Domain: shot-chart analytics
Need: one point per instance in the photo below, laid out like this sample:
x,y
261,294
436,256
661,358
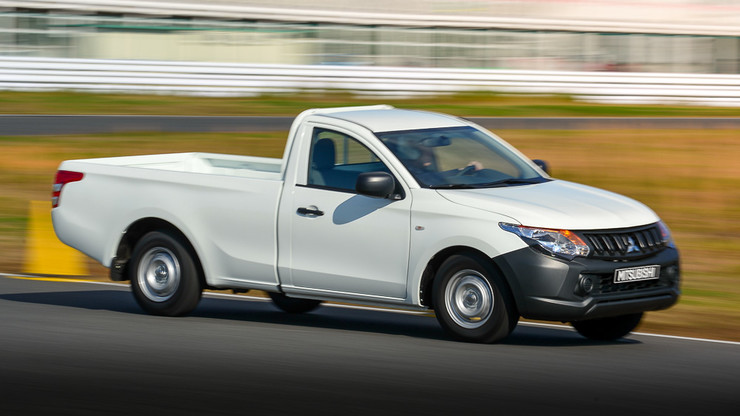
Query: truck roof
x,y
383,118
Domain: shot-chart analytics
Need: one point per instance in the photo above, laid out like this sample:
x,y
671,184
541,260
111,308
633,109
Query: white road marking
x,y
715,341
646,334
334,305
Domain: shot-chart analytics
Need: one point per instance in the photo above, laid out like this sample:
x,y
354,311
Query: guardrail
x,y
224,79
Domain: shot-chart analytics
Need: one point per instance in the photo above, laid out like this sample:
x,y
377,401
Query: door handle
x,y
311,211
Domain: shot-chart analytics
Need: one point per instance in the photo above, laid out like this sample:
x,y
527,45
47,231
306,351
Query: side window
x,y
337,159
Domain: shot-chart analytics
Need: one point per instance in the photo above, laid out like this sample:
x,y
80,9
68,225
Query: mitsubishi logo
x,y
631,246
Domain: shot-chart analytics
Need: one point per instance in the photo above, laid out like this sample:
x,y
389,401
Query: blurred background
x,y
677,36
521,58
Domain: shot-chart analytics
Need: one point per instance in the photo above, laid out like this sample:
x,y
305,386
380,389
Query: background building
x,y
680,36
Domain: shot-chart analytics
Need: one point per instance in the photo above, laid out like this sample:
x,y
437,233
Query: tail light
x,y
63,177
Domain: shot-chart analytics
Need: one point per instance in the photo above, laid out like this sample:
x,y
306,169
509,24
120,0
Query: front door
x,y
341,241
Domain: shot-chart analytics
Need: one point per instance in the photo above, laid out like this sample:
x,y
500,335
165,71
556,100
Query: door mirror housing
x,y
542,165
375,184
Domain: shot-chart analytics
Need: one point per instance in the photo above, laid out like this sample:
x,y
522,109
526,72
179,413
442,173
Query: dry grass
x,y
691,178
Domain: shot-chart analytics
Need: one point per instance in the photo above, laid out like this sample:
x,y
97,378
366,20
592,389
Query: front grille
x,y
606,285
625,244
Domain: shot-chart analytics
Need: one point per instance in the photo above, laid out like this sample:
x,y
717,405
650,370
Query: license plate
x,y
636,274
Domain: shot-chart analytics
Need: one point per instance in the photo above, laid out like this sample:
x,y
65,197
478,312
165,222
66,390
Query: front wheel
x,y
608,329
164,277
472,301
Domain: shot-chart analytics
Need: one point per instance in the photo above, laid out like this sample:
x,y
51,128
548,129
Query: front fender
x,y
440,227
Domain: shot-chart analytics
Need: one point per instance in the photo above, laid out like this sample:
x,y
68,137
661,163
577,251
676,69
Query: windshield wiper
x,y
511,181
453,186
495,184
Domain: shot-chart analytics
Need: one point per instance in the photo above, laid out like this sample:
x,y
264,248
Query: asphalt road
x,y
87,349
18,125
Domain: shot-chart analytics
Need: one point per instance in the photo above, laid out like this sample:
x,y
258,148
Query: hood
x,y
557,204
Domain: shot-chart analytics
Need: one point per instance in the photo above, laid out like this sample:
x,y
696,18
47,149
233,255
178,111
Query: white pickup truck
x,y
374,205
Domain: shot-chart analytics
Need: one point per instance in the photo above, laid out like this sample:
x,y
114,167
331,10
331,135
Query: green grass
x,y
470,104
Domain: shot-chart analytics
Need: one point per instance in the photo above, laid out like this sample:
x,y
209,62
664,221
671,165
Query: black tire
x,y
164,277
608,329
293,305
472,301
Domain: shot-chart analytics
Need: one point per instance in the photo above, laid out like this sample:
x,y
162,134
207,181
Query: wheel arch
x,y
134,233
427,279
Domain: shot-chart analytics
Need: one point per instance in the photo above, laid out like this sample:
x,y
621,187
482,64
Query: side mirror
x,y
375,184
542,165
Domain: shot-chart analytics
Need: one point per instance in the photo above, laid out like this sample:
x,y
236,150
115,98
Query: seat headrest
x,y
324,154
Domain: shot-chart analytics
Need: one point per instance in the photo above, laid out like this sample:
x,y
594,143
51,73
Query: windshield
x,y
458,157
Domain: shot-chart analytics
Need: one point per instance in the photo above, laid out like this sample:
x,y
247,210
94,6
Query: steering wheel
x,y
467,170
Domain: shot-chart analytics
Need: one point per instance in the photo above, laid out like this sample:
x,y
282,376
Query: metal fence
x,y
221,79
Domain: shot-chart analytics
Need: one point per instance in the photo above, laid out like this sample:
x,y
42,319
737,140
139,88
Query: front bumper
x,y
548,288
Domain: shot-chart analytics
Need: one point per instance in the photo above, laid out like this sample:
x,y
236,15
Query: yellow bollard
x,y
45,254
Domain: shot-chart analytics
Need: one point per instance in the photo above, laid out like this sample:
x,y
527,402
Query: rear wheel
x,y
293,305
472,301
164,277
608,329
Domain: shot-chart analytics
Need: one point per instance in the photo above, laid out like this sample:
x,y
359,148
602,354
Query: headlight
x,y
561,243
665,234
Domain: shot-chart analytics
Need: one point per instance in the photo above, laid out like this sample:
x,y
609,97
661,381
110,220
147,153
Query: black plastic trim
x,y
395,196
547,288
612,244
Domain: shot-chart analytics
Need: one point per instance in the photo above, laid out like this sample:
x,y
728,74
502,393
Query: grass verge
x,y
689,177
469,104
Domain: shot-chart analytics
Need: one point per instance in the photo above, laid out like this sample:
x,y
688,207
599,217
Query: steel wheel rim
x,y
469,299
159,274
